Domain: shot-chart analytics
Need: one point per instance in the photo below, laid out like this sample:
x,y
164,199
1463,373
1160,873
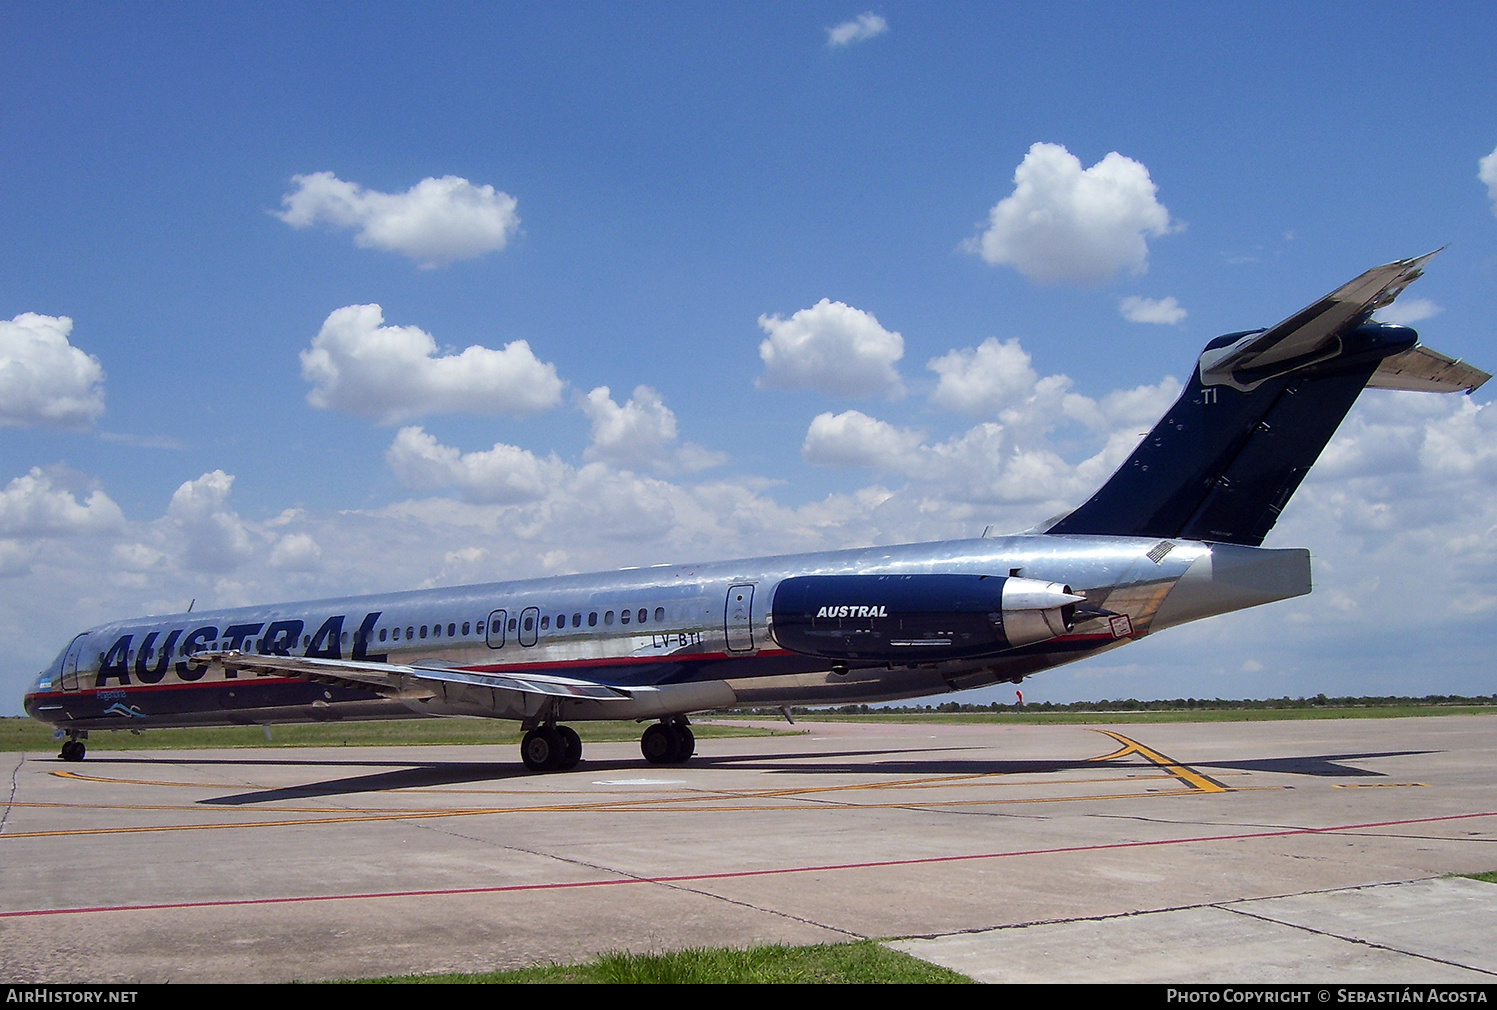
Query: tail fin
x,y
1262,404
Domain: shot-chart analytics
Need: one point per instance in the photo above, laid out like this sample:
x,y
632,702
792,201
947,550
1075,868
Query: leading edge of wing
x,y
405,681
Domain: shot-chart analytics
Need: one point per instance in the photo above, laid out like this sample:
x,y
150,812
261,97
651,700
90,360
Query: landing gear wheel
x,y
73,750
668,743
571,747
660,744
542,749
688,743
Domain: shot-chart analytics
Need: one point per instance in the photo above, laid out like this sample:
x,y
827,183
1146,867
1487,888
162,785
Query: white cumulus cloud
x,y
45,503
640,433
295,552
1137,309
859,29
1063,223
852,438
436,221
44,380
396,373
505,474
211,537
1487,173
984,380
832,348
636,433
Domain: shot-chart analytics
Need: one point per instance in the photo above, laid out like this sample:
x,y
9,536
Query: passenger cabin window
x,y
465,627
382,633
643,613
592,619
576,620
608,617
436,632
659,614
452,630
423,631
545,622
624,617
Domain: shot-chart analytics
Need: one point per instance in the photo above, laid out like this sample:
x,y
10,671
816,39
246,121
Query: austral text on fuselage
x,y
1173,536
152,662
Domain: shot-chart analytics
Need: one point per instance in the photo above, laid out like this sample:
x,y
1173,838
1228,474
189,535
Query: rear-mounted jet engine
x,y
917,618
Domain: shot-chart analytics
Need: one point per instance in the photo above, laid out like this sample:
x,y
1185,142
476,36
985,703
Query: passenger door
x,y
738,617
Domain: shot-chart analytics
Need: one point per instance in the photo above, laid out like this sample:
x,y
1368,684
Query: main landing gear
x,y
668,743
551,749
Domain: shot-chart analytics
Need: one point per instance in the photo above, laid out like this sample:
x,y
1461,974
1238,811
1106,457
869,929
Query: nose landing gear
x,y
73,749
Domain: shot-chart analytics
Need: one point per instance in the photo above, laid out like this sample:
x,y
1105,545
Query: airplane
x,y
1173,536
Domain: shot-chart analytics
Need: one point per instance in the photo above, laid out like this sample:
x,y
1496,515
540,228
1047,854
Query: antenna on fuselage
x,y
190,604
986,530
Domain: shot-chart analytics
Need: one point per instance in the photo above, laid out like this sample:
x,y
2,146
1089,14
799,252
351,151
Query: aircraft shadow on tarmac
x,y
417,775
1318,765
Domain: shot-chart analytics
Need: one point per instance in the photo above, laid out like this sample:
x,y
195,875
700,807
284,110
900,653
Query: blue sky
x,y
782,228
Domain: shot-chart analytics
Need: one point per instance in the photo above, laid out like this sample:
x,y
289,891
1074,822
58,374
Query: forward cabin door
x,y
738,617
70,664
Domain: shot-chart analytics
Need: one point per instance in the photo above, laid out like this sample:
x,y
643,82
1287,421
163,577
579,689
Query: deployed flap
x,y
1313,333
406,681
1423,370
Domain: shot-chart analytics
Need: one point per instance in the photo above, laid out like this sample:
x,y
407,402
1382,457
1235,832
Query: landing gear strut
x,y
668,743
551,748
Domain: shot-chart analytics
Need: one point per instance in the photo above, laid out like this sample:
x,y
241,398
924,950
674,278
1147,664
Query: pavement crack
x,y
641,878
15,776
1355,939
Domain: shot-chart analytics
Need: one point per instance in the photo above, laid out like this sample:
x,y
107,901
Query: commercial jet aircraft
x,y
1172,537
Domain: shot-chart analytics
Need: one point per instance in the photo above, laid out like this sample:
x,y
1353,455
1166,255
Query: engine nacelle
x,y
917,618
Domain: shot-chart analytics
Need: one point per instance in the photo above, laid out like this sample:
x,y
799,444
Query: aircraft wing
x,y
1313,332
410,682
1423,370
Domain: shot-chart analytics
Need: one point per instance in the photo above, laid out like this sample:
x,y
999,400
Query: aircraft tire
x,y
660,744
542,750
73,750
571,747
688,741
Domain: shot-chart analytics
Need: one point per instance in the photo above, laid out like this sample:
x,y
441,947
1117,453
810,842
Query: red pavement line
x,y
742,874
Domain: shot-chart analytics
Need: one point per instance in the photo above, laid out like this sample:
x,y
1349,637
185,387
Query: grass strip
x,y
861,962
22,734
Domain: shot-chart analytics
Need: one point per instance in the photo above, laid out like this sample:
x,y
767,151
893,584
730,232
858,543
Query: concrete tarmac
x,y
1222,852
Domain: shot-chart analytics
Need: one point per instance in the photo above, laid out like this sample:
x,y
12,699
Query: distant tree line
x,y
1160,705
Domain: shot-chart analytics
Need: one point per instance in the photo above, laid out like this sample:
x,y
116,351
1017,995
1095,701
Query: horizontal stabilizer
x,y
1423,370
1224,461
1313,333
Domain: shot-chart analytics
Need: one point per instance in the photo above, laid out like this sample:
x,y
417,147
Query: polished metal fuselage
x,y
680,638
